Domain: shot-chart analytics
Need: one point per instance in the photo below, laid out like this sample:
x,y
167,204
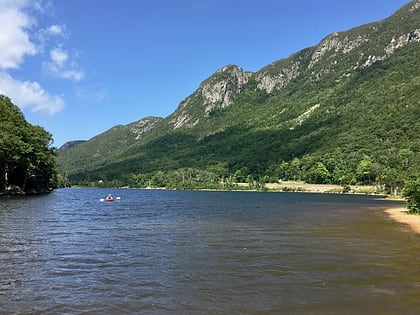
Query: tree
x,y
27,163
364,170
321,174
412,193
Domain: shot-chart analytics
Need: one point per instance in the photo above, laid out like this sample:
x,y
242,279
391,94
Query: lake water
x,y
196,252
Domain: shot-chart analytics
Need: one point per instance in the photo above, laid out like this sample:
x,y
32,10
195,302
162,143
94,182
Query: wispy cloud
x,y
92,93
61,66
55,30
31,95
44,35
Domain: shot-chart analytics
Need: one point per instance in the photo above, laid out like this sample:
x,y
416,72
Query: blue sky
x,y
80,67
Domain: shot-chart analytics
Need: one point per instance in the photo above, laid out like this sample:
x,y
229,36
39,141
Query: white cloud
x,y
13,3
59,56
21,36
15,41
95,94
55,30
44,35
30,95
61,66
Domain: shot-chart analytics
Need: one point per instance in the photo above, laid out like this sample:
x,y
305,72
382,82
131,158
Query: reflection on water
x,y
205,252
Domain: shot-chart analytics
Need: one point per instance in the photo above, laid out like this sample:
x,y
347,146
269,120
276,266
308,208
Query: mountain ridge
x,y
290,107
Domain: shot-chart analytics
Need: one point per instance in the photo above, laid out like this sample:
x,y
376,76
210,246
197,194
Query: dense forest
x,y
345,111
27,163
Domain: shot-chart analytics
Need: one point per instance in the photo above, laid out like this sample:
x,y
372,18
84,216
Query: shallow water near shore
x,y
195,252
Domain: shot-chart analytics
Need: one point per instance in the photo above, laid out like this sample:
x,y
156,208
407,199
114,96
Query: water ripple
x,y
159,252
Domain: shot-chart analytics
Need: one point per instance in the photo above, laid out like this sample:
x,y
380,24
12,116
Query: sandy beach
x,y
317,188
401,215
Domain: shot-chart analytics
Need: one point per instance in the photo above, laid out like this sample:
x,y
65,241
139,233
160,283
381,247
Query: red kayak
x,y
109,199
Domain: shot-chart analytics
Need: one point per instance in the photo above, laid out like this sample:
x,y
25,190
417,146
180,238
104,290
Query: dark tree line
x,y
27,162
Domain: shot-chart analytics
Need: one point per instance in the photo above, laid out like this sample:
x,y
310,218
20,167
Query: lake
x,y
202,252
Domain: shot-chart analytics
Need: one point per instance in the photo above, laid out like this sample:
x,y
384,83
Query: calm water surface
x,y
190,252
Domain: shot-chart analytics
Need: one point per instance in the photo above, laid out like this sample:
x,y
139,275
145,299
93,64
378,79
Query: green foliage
x,y
27,164
334,121
321,174
412,193
186,178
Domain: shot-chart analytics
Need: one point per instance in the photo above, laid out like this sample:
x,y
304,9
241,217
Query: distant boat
x,y
110,198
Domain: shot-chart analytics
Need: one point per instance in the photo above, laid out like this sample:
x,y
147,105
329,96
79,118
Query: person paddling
x,y
109,198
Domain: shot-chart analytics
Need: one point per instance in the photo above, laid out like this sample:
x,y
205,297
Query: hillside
x,y
344,111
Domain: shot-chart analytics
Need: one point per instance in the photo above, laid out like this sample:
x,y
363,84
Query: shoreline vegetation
x,y
283,186
296,186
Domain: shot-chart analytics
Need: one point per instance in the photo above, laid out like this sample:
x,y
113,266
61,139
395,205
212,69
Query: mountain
x,y
101,149
346,110
70,144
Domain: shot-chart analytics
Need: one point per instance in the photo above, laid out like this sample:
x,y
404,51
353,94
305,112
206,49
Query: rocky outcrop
x,y
333,43
142,126
416,6
270,82
182,116
218,90
401,41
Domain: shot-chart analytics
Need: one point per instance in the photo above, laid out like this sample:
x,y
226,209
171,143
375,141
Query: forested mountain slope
x,y
344,111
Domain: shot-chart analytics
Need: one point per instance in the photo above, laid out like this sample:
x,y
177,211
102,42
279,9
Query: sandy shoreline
x,y
401,215
317,188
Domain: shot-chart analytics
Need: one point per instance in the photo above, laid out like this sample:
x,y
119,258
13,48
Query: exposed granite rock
x,y
334,43
214,93
416,6
183,116
413,36
218,90
142,126
272,82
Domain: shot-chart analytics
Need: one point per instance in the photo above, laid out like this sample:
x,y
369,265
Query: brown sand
x,y
401,215
319,188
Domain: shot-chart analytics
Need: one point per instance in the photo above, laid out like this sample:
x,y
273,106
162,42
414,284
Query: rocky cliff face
x,y
271,82
214,93
218,90
359,48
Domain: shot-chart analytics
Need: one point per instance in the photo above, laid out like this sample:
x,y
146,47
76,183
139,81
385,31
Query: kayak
x,y
109,199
